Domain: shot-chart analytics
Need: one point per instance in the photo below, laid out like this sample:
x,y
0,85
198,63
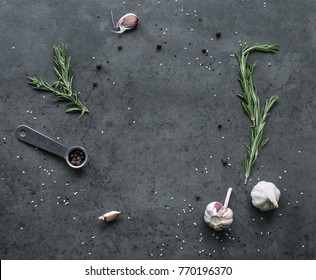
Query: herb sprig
x,y
62,89
251,104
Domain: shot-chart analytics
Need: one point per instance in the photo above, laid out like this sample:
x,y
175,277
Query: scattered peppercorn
x,y
94,84
76,157
119,47
159,46
204,50
219,126
197,197
99,67
224,162
218,35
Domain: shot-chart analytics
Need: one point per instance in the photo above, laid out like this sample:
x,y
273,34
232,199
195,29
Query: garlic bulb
x,y
265,196
126,22
110,216
219,216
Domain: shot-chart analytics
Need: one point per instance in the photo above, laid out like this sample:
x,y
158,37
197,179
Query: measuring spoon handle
x,y
37,139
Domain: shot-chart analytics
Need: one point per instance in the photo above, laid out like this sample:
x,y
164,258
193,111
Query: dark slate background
x,y
159,112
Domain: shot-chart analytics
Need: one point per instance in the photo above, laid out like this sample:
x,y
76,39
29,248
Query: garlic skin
x,y
219,216
265,196
126,22
110,216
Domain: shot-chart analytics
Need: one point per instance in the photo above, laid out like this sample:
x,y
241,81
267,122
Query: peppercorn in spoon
x,y
76,157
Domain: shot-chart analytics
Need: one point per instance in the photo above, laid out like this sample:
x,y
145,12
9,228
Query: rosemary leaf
x,y
62,89
251,104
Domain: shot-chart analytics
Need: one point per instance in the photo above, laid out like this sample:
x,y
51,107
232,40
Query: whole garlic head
x,y
219,216
265,196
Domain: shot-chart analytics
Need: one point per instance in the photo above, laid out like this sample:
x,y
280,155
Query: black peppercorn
x,y
99,67
219,126
218,35
119,47
204,50
159,46
76,157
94,84
224,162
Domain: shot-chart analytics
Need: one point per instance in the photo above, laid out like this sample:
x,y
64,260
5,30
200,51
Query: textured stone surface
x,y
160,124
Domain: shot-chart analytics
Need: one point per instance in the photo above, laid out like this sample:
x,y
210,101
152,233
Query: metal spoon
x,y
37,139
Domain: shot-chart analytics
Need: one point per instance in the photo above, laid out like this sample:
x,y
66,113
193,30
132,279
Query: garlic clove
x,y
110,216
273,201
126,22
219,216
265,196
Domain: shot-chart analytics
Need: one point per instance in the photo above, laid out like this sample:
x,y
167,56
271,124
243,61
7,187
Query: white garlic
x,y
219,216
110,216
126,22
265,196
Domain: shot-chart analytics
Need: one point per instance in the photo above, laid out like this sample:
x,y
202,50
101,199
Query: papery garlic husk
x,y
265,196
219,216
110,216
126,22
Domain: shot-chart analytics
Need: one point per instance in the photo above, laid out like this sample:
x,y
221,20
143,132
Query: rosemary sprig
x,y
62,89
251,104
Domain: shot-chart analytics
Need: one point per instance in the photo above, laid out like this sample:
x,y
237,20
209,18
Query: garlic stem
x,y
113,20
229,192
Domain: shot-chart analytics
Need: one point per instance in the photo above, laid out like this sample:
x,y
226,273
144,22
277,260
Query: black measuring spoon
x,y
76,156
